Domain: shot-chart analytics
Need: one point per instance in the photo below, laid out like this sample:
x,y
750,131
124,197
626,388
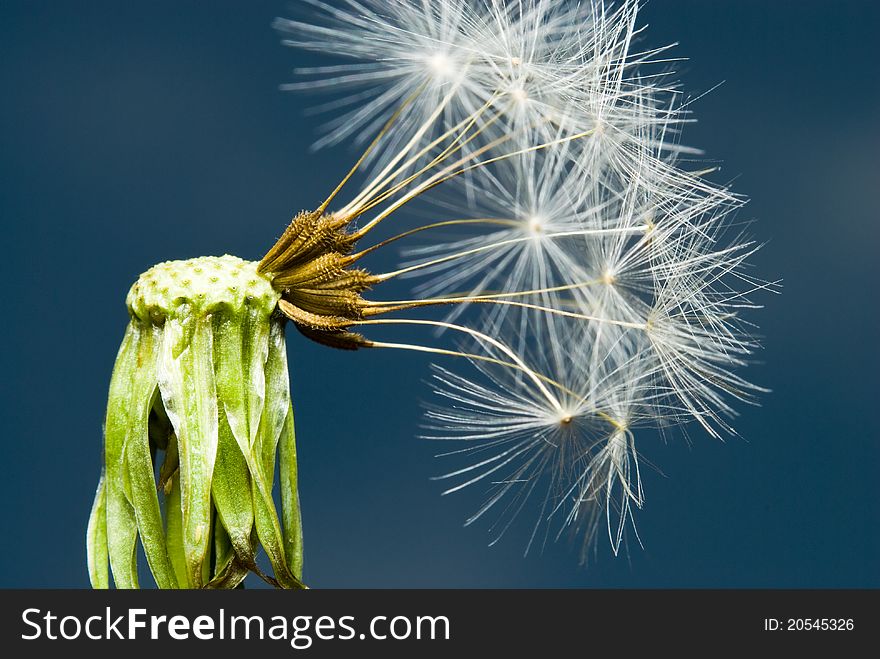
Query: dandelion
x,y
591,281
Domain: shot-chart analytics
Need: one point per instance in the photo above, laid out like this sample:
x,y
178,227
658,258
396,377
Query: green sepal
x,y
121,520
174,529
277,398
96,539
140,481
231,486
277,401
244,400
290,508
254,355
186,380
223,551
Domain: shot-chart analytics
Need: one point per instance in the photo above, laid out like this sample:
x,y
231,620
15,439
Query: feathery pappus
x,y
597,281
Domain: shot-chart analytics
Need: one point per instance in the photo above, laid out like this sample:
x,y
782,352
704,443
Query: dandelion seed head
x,y
594,277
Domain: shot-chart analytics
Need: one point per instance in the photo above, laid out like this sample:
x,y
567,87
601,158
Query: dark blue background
x,y
139,132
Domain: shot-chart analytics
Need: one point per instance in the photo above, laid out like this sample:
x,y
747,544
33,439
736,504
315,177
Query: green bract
x,y
199,408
